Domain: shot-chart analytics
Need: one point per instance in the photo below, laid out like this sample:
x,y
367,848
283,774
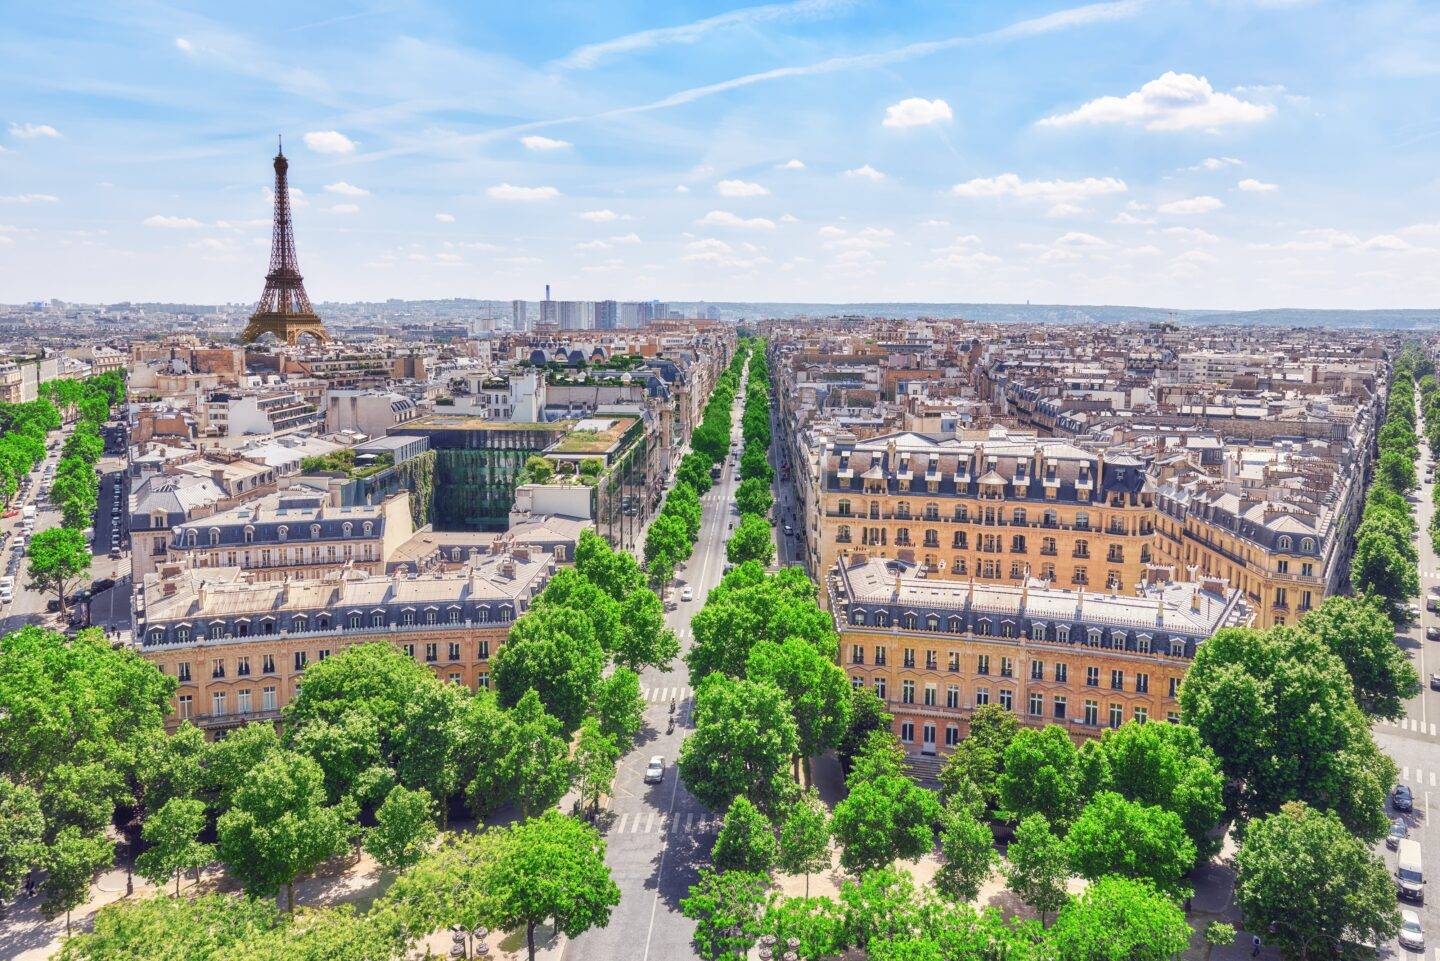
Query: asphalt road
x,y
658,836
1414,741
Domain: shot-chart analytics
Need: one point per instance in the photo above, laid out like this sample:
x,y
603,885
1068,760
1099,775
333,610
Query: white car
x,y
687,593
1412,936
655,773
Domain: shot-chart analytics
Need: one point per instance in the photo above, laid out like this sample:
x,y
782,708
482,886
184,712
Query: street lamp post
x,y
468,943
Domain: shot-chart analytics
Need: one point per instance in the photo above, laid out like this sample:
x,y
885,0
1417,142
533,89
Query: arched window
x,y
214,536
857,616
1307,545
1037,631
1018,516
282,532
455,555
249,534
1007,629
1062,633
1082,520
1142,643
1177,647
190,536
1092,637
314,530
1283,543
346,528
368,529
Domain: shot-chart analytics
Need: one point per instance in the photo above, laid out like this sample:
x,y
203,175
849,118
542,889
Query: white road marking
x,y
650,821
1405,774
620,829
635,825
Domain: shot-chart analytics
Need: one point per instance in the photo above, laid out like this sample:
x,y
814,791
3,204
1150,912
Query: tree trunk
x,y
290,896
67,930
807,884
530,939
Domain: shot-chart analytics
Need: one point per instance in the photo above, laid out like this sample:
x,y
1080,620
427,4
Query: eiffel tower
x,y
284,309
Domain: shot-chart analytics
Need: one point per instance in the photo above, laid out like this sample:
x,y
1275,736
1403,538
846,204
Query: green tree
x,y
818,690
209,927
553,871
1119,919
879,906
644,639
486,752
346,749
279,826
727,910
1358,632
743,740
22,835
404,827
817,923
1037,870
540,470
1397,470
72,862
169,765
1040,776
753,540
753,497
867,714
746,841
1302,876
552,651
1380,568
884,817
805,838
539,757
969,850
229,759
667,542
979,759
614,572
595,757
59,559
1113,836
619,707
174,830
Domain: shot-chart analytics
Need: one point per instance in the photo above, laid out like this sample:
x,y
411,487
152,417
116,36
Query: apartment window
x,y
952,735
909,657
1007,699
324,653
453,615
952,696
1172,717
432,652
982,664
454,651
1307,569
409,649
217,704
931,661
182,672
1117,715
953,661
300,659
1092,712
377,620
1174,687
1062,672
187,704
929,695
1141,715
242,701
1037,704
857,653
242,667
879,657
982,696
1142,683
1007,667
907,692
1092,677
267,663
1037,670
267,698
1282,566
1117,680
217,667
484,650
857,682
1058,707
907,732
880,688
407,617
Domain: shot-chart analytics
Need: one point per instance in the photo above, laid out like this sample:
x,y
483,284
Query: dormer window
x,y
369,529
314,530
283,532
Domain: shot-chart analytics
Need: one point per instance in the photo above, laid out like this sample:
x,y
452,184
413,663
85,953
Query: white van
x,y
7,590
1409,875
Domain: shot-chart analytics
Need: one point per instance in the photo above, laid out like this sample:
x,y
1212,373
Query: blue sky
x,y
1210,153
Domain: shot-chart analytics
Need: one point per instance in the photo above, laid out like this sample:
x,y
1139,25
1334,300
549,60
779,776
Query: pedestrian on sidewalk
x,y
1255,945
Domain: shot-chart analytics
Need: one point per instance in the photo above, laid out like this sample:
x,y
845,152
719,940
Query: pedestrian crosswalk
x,y
1421,779
1410,724
651,823
659,695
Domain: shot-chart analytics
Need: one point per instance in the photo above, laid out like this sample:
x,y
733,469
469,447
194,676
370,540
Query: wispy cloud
x,y
165,222
1048,191
30,131
537,142
740,188
590,55
29,199
512,192
724,218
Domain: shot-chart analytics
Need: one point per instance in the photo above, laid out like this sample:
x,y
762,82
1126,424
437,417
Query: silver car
x,y
655,770
1412,936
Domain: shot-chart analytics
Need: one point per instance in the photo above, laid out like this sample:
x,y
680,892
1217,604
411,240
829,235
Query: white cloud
x,y
349,190
184,45
599,216
445,218
30,131
917,112
329,141
1386,242
1145,250
1047,191
791,165
630,238
1191,205
1125,217
511,192
1191,233
724,218
830,230
29,199
345,209
866,172
934,223
1216,163
710,245
681,189
789,219
1255,186
1196,257
172,223
1076,238
1065,210
871,238
1174,101
740,188
537,142
592,245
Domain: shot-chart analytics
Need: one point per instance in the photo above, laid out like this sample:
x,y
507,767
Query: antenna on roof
x,y
280,144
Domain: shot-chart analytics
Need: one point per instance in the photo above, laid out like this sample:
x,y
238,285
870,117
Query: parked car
x,y
1401,799
103,584
1412,936
1432,633
655,770
1398,833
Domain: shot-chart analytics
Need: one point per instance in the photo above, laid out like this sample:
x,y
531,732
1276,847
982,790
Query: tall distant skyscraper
x,y
607,315
644,312
577,314
519,315
548,315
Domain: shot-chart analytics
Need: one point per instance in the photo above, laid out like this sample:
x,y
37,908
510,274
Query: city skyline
x,y
1227,154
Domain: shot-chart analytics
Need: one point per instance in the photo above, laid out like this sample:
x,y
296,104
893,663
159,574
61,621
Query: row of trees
x,y
1384,563
672,534
753,539
1429,389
